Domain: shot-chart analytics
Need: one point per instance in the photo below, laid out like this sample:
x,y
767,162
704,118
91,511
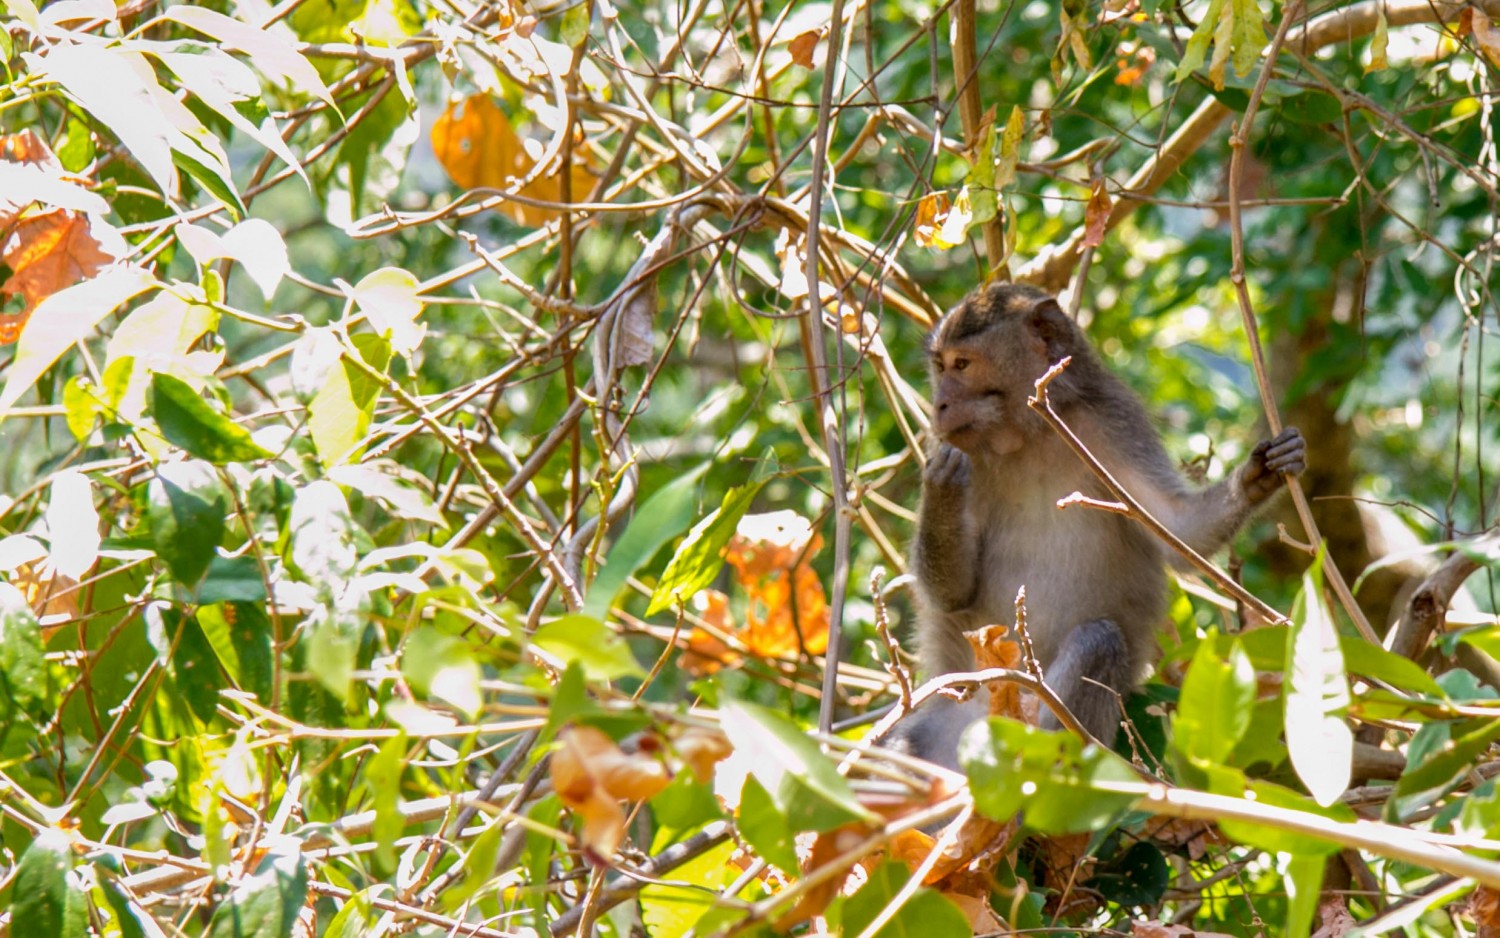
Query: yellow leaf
x,y
1379,43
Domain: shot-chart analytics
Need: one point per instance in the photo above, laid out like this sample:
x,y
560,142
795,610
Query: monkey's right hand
x,y
1262,476
947,473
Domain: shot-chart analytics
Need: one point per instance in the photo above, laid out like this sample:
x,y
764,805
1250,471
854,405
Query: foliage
x,y
433,496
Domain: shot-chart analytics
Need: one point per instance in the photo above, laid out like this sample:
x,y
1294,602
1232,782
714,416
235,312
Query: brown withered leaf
x,y
1096,215
701,749
802,47
1483,906
479,148
53,596
1485,35
46,253
993,650
592,775
824,849
1167,930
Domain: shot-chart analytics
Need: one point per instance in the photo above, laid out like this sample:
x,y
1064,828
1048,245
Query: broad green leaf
x,y
925,915
358,917
333,648
662,517
765,828
400,499
254,243
443,666
339,414
194,664
45,899
187,420
23,675
161,331
803,783
1304,881
186,505
82,406
700,555
132,920
1232,782
478,866
594,645
391,304
274,53
575,25
673,906
72,523
1197,47
231,579
240,635
1052,777
383,782
266,904
1214,710
1439,764
63,319
322,537
230,88
1317,692
1372,661
1138,875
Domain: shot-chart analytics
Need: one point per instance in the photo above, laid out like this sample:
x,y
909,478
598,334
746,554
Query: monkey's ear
x,y
1053,328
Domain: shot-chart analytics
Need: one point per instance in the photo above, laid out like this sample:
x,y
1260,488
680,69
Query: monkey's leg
x,y
1092,654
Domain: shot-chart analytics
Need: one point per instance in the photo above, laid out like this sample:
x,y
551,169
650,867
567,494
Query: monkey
x,y
988,522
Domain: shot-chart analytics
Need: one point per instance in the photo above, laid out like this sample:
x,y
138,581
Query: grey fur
x,y
988,524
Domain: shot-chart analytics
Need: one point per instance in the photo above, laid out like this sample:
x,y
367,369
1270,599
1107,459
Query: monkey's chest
x,y
1075,564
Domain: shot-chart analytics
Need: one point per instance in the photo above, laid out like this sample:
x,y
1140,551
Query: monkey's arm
x,y
1207,518
946,553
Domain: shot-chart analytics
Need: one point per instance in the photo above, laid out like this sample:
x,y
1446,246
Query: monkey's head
x,y
985,356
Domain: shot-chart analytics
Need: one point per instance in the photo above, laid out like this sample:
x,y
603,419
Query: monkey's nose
x,y
942,407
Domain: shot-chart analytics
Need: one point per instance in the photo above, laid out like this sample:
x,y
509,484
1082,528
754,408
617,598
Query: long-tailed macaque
x,y
1096,586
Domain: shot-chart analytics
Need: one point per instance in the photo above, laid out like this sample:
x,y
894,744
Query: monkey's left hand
x,y
1261,477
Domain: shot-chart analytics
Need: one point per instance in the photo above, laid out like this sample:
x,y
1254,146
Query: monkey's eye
x,y
959,364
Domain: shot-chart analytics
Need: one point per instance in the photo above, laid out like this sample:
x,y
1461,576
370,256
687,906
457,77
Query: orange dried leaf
x,y
701,749
479,148
932,211
28,147
1485,35
46,253
826,847
1096,216
591,775
787,611
993,650
706,652
802,47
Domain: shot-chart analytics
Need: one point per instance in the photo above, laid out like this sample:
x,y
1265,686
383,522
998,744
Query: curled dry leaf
x,y
1096,216
993,650
1483,906
701,748
940,224
802,47
46,253
592,775
824,849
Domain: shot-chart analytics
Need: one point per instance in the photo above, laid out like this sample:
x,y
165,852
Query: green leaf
x,y
1440,763
81,407
194,664
1304,880
1311,107
663,516
129,917
44,899
569,699
1370,660
186,505
23,674
675,905
443,666
266,904
1197,47
1052,777
700,555
1136,876
803,783
333,649
765,828
1214,710
594,645
64,319
389,298
186,420
240,635
383,782
478,866
1317,692
574,29
1232,782
322,538
358,917
340,412
231,579
925,915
